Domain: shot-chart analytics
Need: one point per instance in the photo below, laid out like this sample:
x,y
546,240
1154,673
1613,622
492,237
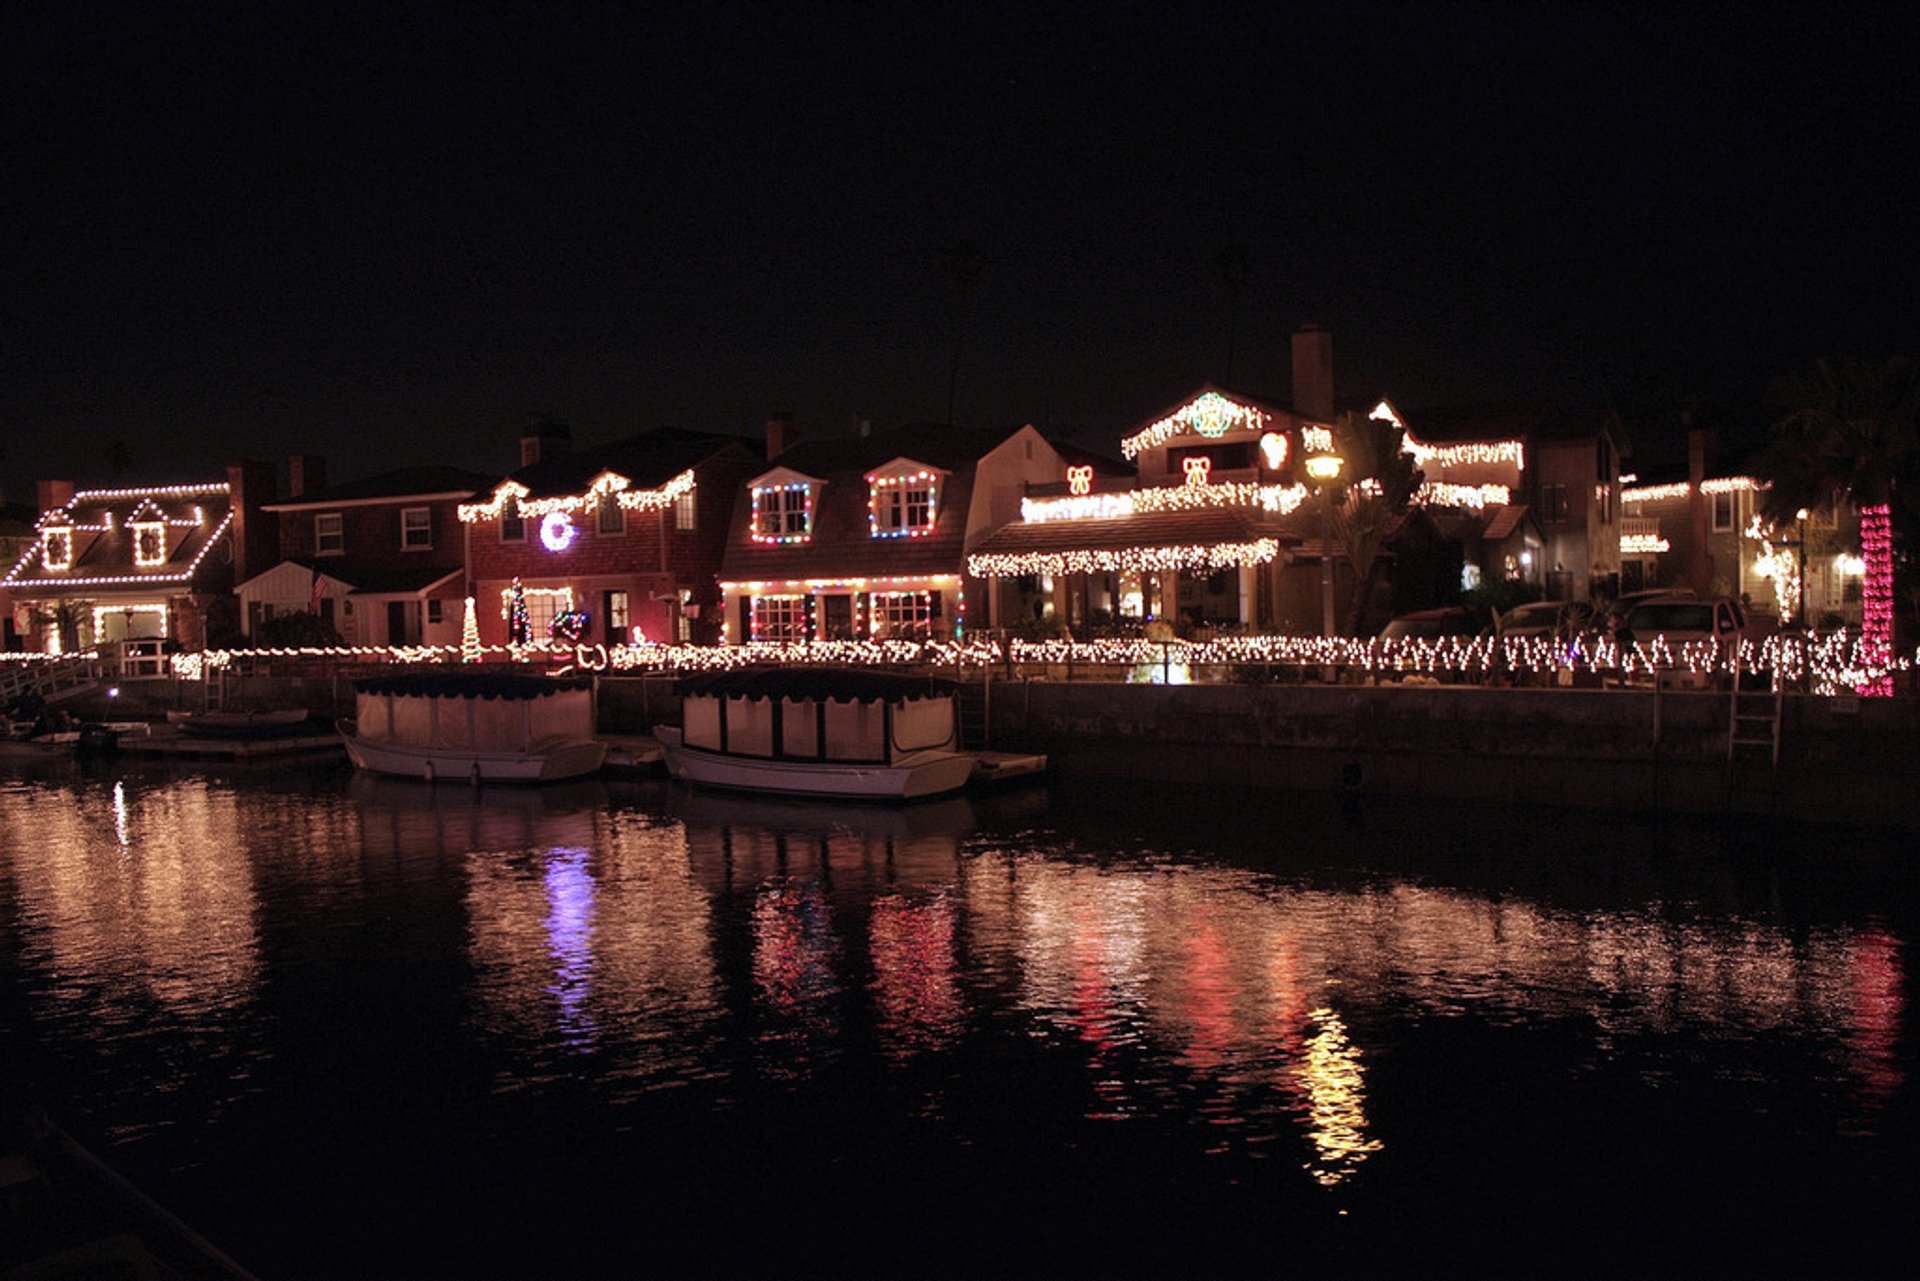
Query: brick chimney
x,y
306,473
1313,372
544,438
255,533
55,494
780,435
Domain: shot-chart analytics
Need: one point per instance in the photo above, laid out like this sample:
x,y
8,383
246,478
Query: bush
x,y
295,631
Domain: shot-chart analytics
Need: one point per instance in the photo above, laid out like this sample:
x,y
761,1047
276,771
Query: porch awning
x,y
1211,539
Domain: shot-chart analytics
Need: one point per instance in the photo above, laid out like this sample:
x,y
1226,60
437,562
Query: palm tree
x,y
1849,432
1232,270
1383,481
962,267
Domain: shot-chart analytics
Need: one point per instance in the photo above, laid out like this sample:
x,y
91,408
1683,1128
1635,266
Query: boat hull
x,y
567,758
921,774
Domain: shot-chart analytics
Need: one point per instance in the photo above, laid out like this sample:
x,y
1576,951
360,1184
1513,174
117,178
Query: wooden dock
x,y
188,747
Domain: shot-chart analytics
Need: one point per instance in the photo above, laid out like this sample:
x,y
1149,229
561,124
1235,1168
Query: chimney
x,y
255,534
1699,560
780,435
306,473
544,438
55,494
1313,372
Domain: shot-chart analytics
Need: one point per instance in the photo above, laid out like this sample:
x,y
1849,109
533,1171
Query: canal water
x,y
366,1029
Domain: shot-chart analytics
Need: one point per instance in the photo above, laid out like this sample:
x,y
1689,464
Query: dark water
x,y
373,1030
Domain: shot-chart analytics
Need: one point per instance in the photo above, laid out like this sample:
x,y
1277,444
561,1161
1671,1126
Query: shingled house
x,y
608,545
866,537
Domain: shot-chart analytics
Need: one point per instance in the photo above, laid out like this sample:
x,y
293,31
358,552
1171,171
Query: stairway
x,y
1753,721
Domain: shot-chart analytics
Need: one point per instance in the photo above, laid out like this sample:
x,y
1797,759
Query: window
x,y
905,615
434,613
618,617
56,552
416,529
783,514
685,514
149,544
513,526
611,517
1723,509
903,506
779,618
1553,504
329,535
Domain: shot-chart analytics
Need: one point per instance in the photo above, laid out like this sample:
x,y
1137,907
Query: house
x,y
1703,530
609,545
381,560
146,568
1221,527
17,535
868,536
1543,486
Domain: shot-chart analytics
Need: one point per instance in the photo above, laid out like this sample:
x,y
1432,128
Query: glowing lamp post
x,y
1324,468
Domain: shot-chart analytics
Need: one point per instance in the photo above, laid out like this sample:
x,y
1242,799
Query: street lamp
x,y
1800,573
1324,467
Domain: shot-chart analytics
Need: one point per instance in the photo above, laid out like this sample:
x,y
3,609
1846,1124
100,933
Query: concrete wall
x,y
1842,759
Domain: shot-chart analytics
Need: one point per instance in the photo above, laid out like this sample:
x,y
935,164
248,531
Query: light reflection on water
x,y
626,943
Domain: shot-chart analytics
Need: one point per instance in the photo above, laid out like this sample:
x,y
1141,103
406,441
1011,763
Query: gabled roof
x,y
103,541
842,543
948,448
430,481
649,460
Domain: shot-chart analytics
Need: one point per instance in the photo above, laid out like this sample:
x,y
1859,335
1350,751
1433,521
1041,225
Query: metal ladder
x,y
1753,718
975,709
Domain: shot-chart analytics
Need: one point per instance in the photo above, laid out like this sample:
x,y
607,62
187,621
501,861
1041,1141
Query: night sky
x,y
388,237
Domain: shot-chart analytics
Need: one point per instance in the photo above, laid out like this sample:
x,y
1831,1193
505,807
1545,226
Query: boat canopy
x,y
476,713
470,685
817,684
818,714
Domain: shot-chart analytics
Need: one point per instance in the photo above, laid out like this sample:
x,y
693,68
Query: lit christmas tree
x,y
519,627
470,635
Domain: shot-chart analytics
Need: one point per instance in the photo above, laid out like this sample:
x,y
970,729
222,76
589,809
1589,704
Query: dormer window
x,y
149,543
904,502
56,549
783,514
783,506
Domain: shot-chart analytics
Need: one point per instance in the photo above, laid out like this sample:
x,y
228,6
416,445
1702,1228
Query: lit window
x,y
901,615
329,535
416,529
903,506
783,514
612,518
56,552
617,613
685,514
780,618
149,544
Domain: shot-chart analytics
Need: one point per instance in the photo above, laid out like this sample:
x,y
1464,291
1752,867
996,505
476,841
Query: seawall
x,y
1841,759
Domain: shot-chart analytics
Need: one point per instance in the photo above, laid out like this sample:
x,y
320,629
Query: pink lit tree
x,y
1847,434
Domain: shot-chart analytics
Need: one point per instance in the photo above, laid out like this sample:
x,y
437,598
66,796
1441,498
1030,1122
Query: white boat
x,y
474,728
818,732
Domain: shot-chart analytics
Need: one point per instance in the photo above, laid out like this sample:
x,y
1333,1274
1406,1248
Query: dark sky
x,y
388,235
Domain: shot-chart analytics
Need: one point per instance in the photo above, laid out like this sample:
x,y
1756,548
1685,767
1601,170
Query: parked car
x,y
1613,617
1686,621
1561,618
1434,624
